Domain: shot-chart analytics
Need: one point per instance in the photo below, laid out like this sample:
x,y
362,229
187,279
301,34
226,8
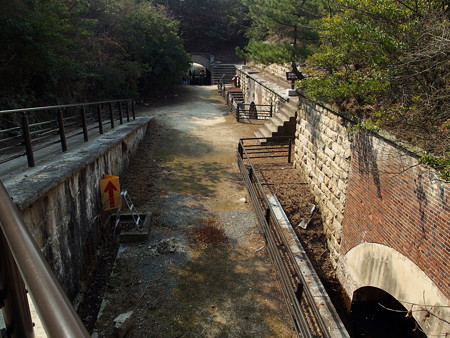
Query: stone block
x,y
123,324
330,153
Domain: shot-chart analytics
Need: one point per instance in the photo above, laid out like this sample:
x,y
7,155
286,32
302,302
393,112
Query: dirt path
x,y
204,271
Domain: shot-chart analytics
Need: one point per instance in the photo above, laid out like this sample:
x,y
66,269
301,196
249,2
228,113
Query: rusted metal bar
x,y
62,132
99,118
111,115
53,307
240,149
128,114
290,151
120,112
13,296
84,124
27,140
237,112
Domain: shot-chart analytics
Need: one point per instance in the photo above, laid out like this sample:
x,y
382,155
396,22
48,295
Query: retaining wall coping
x,y
26,189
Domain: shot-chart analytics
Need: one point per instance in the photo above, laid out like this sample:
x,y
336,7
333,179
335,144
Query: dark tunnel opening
x,y
376,314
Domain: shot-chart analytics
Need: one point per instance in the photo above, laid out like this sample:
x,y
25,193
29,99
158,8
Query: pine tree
x,y
281,31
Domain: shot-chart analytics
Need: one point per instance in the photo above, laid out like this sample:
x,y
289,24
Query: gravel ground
x,y
203,271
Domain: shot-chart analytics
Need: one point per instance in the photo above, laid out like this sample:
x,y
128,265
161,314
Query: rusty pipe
x,y
52,305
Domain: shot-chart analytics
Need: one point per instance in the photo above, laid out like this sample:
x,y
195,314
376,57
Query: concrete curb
x,y
326,308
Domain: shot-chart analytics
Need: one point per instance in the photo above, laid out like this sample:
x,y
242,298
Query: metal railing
x,y
304,311
23,265
271,147
253,111
24,131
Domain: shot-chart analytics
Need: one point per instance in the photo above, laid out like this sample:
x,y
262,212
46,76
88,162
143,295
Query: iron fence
x,y
304,311
25,131
253,111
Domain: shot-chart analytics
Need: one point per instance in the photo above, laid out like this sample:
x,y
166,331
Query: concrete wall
x,y
61,202
386,217
203,59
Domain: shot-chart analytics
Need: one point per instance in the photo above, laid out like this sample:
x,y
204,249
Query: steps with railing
x,y
222,71
282,123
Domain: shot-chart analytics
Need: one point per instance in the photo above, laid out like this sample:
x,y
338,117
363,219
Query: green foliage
x,y
372,55
209,26
440,163
53,51
281,30
362,51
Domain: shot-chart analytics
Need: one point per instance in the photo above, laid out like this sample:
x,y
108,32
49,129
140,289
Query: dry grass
x,y
210,232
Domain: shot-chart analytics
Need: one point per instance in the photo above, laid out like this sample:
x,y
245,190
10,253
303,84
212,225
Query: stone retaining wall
x,y
61,203
323,152
257,89
279,71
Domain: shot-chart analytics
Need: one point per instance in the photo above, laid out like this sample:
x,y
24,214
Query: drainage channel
x,y
307,301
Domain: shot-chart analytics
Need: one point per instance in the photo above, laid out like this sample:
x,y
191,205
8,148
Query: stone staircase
x,y
219,69
281,123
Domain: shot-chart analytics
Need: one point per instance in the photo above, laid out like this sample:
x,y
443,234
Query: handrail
x,y
53,307
59,106
19,138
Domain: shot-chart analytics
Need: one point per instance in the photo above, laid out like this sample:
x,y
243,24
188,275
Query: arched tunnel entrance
x,y
199,75
376,314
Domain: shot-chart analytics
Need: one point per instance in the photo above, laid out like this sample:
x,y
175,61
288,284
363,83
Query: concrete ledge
x,y
30,188
326,308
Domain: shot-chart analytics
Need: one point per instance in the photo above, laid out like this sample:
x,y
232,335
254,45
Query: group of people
x,y
195,78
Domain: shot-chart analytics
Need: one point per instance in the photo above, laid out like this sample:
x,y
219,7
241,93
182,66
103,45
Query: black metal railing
x,y
22,264
25,131
272,147
233,98
304,311
253,111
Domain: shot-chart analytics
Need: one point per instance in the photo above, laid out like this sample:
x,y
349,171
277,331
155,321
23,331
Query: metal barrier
x,y
304,311
23,131
253,111
22,264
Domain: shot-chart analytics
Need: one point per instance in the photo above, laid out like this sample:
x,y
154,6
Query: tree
x,y
55,51
281,31
388,62
209,26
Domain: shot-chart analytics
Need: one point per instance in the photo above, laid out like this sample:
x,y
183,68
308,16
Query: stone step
x,y
228,71
281,122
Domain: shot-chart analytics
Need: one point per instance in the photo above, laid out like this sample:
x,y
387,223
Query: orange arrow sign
x,y
110,188
110,191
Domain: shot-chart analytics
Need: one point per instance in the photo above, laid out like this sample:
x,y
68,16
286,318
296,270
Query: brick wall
x,y
371,190
393,200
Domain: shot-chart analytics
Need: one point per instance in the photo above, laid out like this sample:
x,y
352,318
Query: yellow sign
x,y
110,192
